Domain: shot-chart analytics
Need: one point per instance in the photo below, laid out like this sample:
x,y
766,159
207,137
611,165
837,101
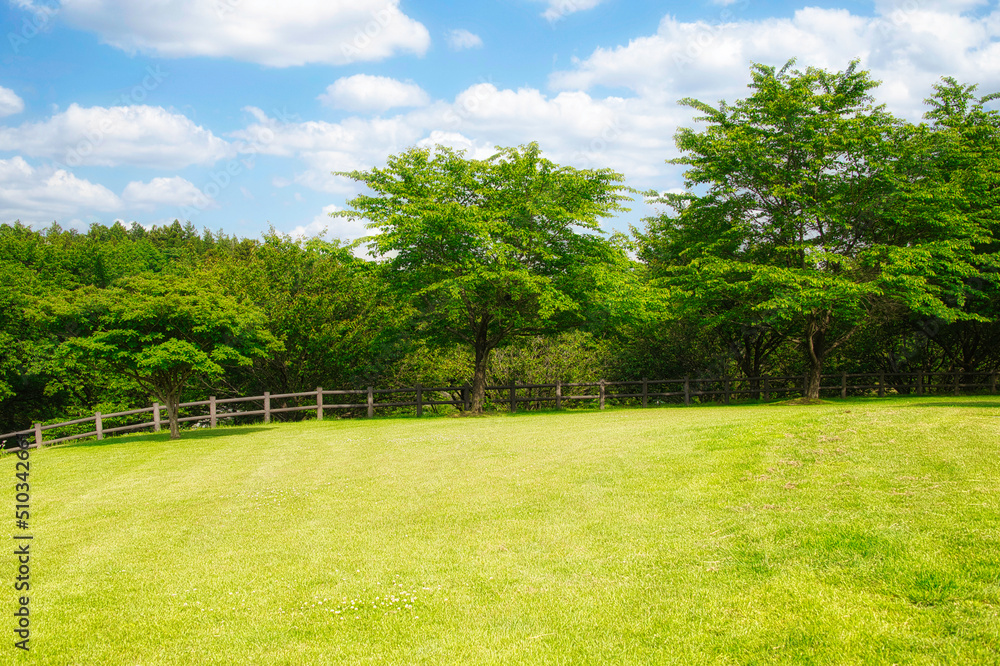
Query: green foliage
x,y
337,323
162,330
573,356
489,249
819,210
817,231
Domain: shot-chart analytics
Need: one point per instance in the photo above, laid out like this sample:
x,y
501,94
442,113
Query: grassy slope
x,y
845,533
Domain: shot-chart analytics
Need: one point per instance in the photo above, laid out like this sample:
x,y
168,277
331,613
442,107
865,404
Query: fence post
x,y
156,417
211,412
956,382
843,385
767,389
319,403
513,397
602,392
420,400
725,390
687,390
371,402
465,397
645,392
558,394
98,425
920,383
267,406
881,383
38,435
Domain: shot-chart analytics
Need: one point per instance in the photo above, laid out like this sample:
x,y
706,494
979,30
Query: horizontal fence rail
x,y
635,392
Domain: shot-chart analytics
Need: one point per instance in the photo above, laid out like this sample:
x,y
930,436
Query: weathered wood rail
x,y
643,392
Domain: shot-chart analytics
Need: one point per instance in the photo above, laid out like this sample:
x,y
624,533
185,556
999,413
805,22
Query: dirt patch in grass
x,y
803,401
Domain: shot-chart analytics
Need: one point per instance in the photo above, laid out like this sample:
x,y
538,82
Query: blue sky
x,y
233,113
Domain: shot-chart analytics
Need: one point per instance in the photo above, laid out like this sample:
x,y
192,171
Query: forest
x,y
817,233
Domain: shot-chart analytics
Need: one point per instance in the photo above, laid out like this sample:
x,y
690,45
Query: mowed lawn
x,y
855,532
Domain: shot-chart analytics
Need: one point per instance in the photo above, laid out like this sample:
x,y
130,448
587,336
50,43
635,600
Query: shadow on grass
x,y
160,437
979,402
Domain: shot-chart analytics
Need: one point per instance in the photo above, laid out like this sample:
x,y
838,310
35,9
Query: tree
x,y
162,330
965,137
819,209
487,250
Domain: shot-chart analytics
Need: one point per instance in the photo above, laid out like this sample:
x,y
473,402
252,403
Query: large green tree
x,y
487,250
810,208
162,330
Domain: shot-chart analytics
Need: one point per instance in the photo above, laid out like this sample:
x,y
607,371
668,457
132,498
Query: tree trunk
x,y
814,376
479,376
173,413
815,352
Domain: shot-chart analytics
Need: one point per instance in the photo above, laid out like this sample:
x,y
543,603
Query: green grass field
x,y
852,532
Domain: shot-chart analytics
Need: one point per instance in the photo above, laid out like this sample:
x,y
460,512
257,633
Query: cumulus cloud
x,y
363,92
574,128
120,135
461,39
172,191
277,34
10,103
907,48
354,143
44,194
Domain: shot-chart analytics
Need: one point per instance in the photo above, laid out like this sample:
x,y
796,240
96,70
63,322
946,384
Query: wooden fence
x,y
530,396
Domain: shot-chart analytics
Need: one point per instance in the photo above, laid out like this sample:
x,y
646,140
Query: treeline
x,y
337,323
822,235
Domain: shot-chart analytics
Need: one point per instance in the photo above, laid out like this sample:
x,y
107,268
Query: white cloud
x,y
461,39
363,92
557,9
277,34
41,195
907,48
10,103
173,191
134,135
457,141
630,135
354,143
